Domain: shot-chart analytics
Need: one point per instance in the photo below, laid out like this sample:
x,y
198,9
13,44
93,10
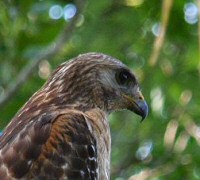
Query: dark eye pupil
x,y
124,78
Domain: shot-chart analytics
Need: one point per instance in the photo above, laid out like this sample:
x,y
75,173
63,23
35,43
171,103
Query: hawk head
x,y
94,80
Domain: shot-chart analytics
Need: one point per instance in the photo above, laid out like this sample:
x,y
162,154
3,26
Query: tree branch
x,y
158,43
47,53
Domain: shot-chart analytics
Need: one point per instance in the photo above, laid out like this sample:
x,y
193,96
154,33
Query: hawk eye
x,y
124,77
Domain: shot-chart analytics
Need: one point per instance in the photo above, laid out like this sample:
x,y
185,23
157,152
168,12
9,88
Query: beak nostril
x,y
140,98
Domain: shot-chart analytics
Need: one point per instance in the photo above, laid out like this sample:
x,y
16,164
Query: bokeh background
x,y
158,39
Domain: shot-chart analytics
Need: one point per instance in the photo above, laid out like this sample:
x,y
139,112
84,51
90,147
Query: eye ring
x,y
124,77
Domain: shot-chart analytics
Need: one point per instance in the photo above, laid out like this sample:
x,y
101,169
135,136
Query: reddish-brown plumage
x,y
62,132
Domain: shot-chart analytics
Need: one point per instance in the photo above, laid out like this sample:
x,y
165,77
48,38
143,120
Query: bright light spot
x,y
167,67
56,12
170,134
191,13
69,11
44,69
134,2
185,97
156,29
144,150
157,100
181,142
80,21
198,132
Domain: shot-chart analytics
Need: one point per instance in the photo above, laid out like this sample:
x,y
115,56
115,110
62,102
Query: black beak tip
x,y
140,107
143,109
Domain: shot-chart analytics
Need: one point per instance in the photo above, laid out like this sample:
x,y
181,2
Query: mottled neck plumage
x,y
75,92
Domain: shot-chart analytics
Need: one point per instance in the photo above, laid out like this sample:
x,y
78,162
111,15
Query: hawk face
x,y
121,90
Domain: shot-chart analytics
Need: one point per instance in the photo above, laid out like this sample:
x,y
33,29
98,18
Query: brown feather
x,y
62,132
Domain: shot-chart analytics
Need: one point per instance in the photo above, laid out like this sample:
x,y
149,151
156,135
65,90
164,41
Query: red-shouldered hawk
x,y
62,132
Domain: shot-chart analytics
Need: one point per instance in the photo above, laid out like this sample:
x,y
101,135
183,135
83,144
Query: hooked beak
x,y
138,105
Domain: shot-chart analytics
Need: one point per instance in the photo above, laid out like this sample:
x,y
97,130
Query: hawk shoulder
x,y
59,145
21,145
70,150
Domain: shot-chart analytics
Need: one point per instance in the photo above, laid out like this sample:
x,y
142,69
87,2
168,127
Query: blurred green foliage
x,y
166,144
